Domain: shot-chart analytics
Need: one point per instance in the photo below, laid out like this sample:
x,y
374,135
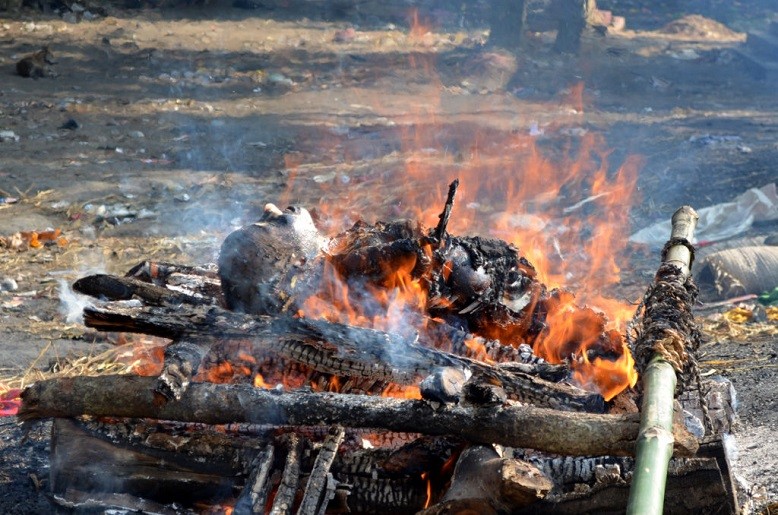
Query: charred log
x,y
336,348
126,288
487,483
287,489
514,426
253,497
317,496
192,280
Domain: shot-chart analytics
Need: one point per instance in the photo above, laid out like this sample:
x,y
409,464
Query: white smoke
x,y
72,304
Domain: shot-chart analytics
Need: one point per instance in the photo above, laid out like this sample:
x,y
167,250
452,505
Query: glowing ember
x,y
10,401
425,477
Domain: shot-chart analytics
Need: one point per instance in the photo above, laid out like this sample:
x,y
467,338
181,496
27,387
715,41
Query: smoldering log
x,y
125,288
514,426
333,348
145,465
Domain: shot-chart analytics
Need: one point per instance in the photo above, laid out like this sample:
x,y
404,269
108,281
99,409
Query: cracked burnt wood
x,y
484,482
125,288
333,348
509,425
145,465
317,494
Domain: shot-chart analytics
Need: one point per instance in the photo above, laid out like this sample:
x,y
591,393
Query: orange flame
x,y
425,477
565,209
259,382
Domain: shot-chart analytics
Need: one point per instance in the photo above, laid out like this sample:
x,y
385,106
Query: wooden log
x,y
83,462
486,482
145,466
509,425
253,498
287,489
334,348
314,499
125,288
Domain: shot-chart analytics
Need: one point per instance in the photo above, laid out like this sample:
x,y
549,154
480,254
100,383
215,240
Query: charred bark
x,y
514,426
126,288
316,495
336,348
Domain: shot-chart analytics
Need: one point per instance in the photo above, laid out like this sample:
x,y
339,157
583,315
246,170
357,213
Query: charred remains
x,y
339,326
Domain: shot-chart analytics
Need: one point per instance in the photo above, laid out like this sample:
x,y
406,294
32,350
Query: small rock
x,y
136,134
8,136
184,197
70,125
8,284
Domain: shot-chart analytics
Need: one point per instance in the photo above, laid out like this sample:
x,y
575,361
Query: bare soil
x,y
186,121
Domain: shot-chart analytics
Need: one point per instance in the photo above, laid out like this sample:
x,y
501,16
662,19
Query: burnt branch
x,y
254,496
126,288
440,230
315,496
284,500
509,425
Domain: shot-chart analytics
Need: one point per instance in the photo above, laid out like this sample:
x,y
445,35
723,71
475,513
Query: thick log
x,y
510,425
78,464
334,348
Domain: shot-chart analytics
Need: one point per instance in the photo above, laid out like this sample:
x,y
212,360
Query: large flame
x,y
564,208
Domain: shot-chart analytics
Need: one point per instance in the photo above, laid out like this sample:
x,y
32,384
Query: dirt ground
x,y
157,131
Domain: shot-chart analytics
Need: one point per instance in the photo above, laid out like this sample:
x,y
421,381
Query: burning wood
x,y
456,320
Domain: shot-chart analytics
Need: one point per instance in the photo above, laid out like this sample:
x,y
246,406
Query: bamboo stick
x,y
655,438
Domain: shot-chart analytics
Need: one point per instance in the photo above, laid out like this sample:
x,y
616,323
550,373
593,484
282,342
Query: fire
x,y
478,350
425,477
402,392
259,382
563,206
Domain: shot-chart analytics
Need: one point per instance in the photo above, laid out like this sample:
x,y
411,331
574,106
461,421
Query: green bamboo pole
x,y
655,439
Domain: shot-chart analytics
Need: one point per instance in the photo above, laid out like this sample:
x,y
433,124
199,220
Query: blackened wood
x,y
181,362
285,494
440,229
84,460
694,486
193,280
157,272
76,501
253,498
513,426
125,288
334,348
483,478
381,495
314,496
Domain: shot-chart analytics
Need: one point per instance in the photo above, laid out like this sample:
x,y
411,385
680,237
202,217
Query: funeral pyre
x,y
390,368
